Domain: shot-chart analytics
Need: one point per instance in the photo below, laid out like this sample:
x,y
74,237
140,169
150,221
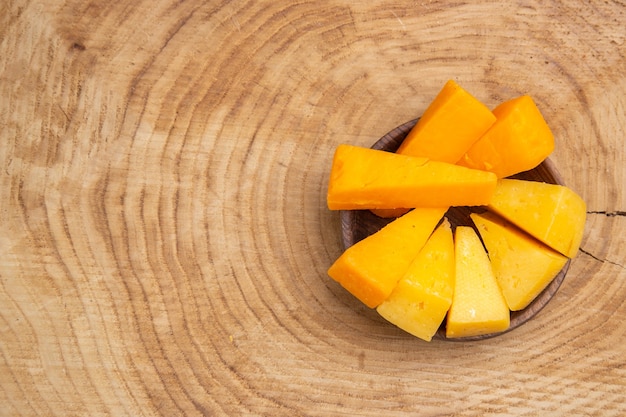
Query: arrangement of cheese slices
x,y
418,271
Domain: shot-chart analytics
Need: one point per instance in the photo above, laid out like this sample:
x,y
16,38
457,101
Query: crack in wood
x,y
618,213
608,261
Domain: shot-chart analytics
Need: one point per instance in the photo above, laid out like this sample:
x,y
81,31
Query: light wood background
x,y
164,237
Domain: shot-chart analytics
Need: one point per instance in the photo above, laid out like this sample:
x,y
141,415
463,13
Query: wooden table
x,y
164,236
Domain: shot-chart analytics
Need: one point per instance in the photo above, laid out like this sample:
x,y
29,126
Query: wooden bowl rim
x,y
546,171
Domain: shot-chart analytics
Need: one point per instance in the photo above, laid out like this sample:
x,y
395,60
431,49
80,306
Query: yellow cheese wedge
x,y
554,214
363,178
478,306
451,124
371,268
518,141
419,302
523,266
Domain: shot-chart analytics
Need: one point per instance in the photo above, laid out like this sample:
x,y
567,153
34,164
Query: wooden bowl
x,y
358,224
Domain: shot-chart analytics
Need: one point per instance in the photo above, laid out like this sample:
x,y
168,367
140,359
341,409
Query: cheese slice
x,y
478,307
363,178
420,301
451,124
518,141
371,268
522,265
552,213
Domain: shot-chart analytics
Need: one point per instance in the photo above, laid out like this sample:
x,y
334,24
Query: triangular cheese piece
x,y
552,213
363,178
523,266
518,141
478,307
420,301
371,268
449,126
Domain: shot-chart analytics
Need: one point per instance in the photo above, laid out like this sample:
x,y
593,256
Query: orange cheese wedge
x,y
451,124
371,268
518,141
363,178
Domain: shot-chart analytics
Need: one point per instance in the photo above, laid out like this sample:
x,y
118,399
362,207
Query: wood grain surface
x,y
164,236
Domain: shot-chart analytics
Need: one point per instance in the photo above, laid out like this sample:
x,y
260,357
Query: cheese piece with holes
x,y
478,307
518,141
552,213
420,301
522,265
371,268
363,178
